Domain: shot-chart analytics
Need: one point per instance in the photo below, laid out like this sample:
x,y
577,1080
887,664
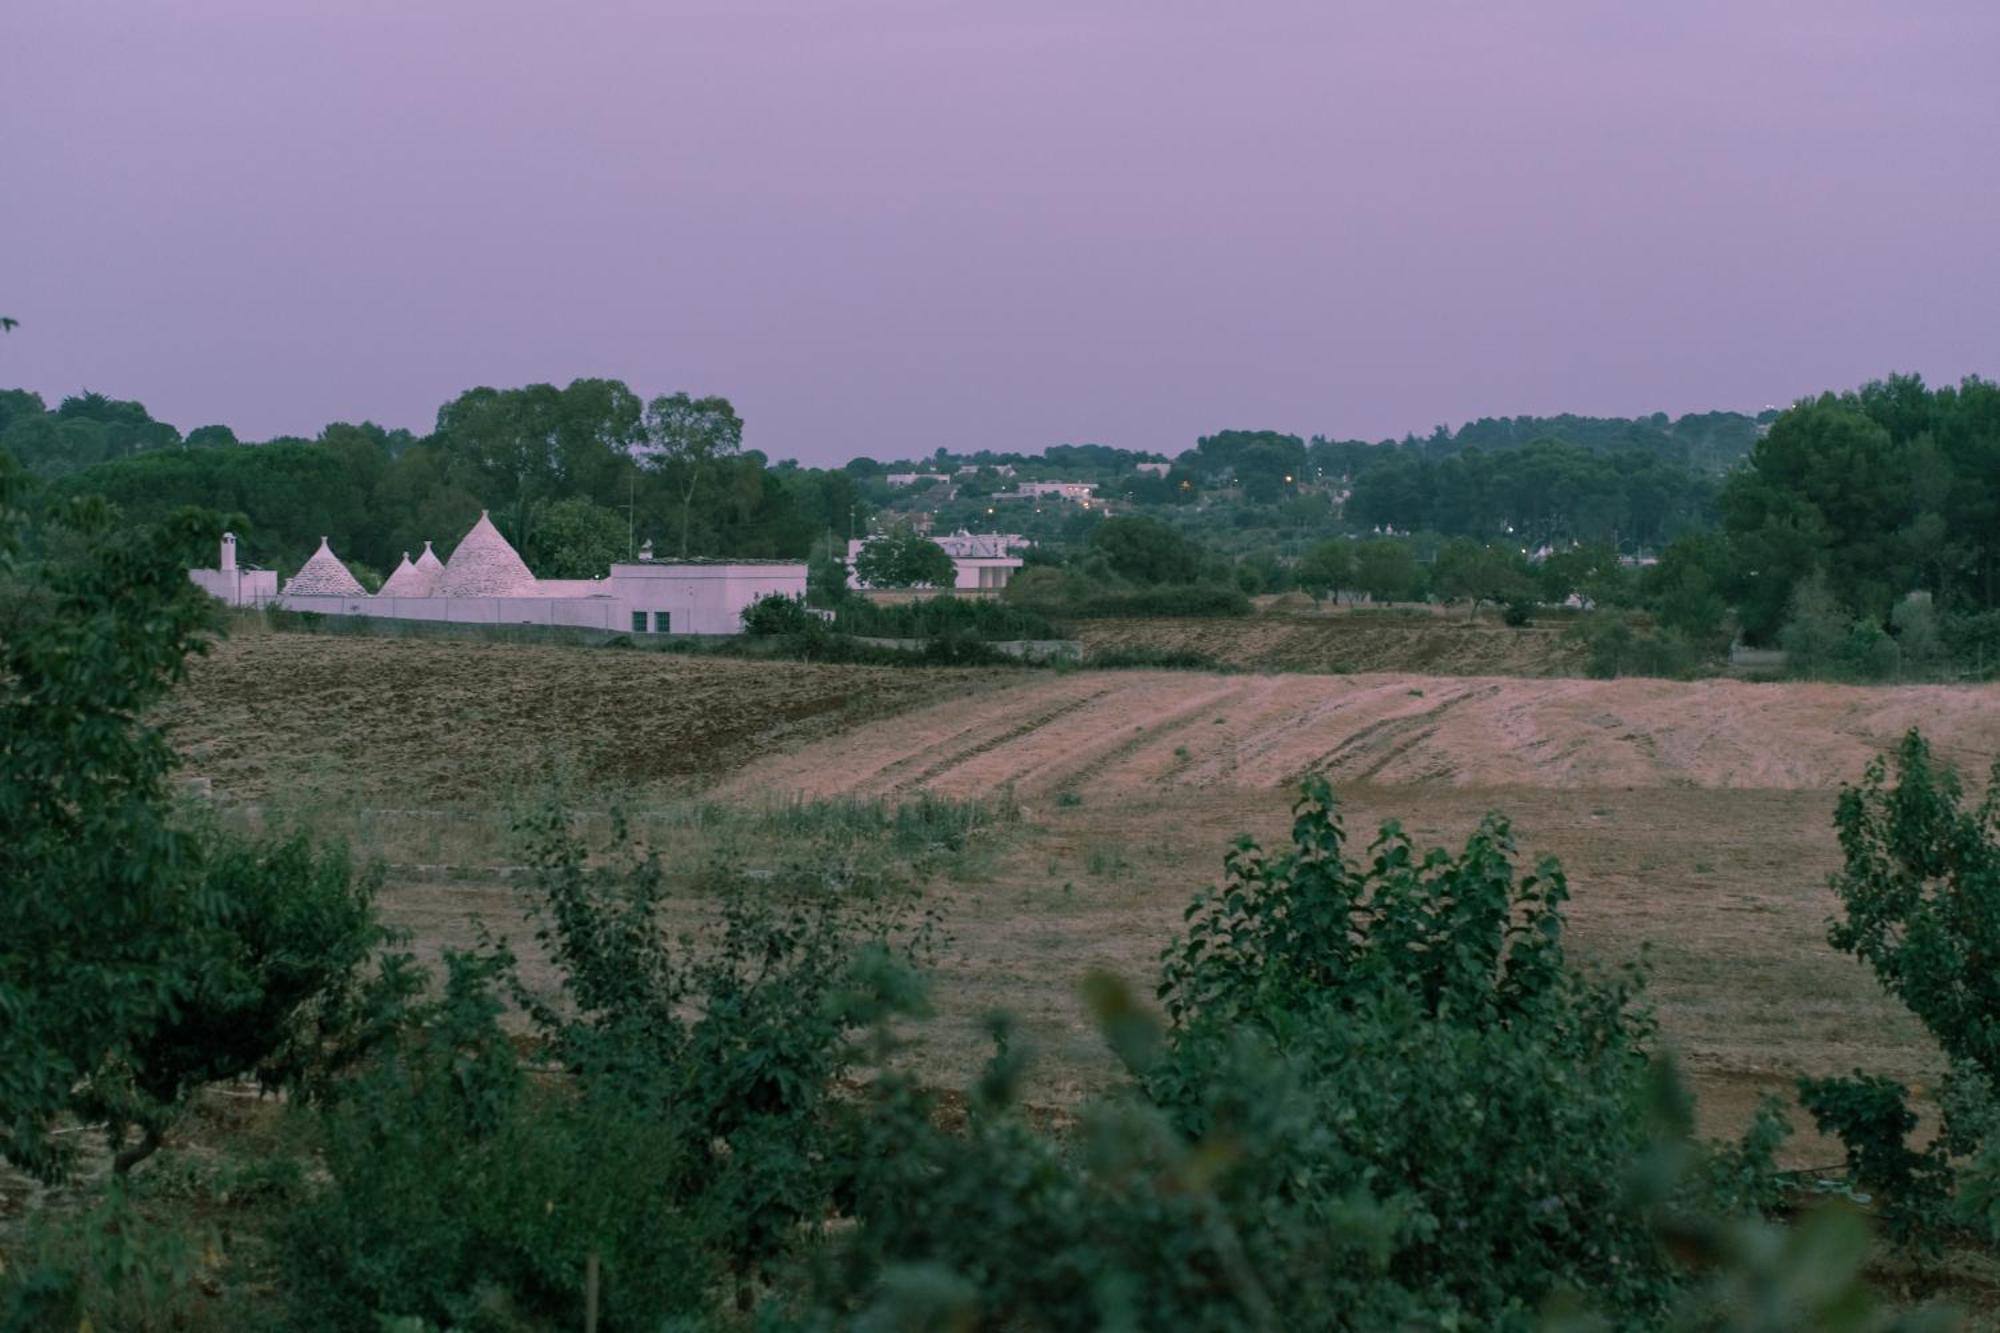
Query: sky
x,y
884,226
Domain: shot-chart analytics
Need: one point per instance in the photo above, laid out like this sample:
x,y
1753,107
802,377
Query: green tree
x,y
141,952
687,439
578,539
1480,573
1387,570
1685,589
1816,629
904,559
1327,568
1146,550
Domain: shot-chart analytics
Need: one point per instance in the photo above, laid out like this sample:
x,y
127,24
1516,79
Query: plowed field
x,y
1135,732
415,722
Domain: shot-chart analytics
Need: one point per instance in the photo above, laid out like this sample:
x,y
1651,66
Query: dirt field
x,y
1135,732
1693,818
413,722
1346,640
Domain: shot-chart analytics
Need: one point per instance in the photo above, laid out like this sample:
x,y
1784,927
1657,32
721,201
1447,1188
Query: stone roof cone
x,y
411,580
484,565
324,576
429,563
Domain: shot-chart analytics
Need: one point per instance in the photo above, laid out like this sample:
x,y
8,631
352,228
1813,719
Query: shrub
x,y
935,617
776,613
1518,611
1194,600
691,1133
1147,657
1920,895
1383,1099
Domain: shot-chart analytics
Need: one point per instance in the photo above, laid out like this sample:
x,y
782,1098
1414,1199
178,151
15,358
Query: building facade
x,y
485,582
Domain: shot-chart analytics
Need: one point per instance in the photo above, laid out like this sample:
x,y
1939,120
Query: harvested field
x,y
1694,819
1135,732
1350,641
419,722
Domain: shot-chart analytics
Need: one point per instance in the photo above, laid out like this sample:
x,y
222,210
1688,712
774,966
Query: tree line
x,y
576,477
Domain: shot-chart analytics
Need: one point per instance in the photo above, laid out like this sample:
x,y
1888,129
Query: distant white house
x,y
981,561
234,584
1058,490
1153,469
915,478
485,582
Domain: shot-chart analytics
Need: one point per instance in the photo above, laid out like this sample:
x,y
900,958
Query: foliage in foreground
x,y
144,952
1920,892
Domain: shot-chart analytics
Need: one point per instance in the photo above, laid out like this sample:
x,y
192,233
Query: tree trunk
x,y
127,1158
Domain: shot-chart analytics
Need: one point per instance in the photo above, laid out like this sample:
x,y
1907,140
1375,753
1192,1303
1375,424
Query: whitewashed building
x,y
234,584
1057,490
485,582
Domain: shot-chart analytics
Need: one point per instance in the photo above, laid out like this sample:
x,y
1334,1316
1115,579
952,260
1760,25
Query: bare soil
x,y
1139,732
1693,819
418,722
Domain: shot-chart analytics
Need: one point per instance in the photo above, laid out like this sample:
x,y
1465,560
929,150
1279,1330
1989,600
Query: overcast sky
x,y
881,226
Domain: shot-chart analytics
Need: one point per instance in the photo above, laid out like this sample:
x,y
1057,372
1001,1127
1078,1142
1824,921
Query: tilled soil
x,y
1134,732
416,722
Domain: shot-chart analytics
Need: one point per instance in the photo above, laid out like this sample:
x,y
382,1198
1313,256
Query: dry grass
x,y
1693,819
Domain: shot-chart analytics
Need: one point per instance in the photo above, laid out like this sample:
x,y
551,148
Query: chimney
x,y
228,551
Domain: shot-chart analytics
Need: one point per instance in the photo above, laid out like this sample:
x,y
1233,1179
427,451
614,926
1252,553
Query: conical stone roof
x,y
484,565
411,580
324,576
429,563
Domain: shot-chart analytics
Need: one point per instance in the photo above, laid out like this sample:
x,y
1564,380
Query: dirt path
x,y
1143,731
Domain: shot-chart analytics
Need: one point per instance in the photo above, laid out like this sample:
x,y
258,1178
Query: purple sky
x,y
880,226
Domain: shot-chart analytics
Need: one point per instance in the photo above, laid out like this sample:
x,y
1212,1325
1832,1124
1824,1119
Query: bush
x,y
1920,896
1200,600
1145,657
686,1127
937,617
778,614
1517,612
1383,1099
1618,645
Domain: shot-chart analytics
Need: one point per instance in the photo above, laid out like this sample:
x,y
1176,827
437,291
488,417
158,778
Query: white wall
x,y
699,599
702,599
239,586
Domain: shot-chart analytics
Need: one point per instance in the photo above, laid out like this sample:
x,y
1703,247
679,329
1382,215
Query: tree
x,y
904,559
1387,570
577,539
1816,630
1146,550
687,437
1685,587
1326,568
141,952
1479,573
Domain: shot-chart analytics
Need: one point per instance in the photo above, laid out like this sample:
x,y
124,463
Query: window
x,y
638,622
663,622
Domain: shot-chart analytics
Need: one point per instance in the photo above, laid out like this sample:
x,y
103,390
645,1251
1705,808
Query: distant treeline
x,y
576,477
1810,528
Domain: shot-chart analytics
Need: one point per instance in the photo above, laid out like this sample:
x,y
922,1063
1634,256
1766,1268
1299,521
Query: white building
x,y
1153,469
915,478
485,582
234,584
1060,490
980,561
